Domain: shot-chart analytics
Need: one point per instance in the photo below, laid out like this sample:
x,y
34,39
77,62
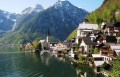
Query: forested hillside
x,y
109,11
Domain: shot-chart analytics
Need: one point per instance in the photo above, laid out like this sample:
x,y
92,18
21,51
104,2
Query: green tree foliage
x,y
116,68
96,51
36,43
107,12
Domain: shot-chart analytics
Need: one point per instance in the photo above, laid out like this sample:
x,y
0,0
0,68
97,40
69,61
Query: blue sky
x,y
16,6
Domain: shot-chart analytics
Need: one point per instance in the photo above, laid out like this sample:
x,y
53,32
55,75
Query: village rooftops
x,y
100,59
110,24
111,39
88,41
117,24
88,26
106,38
115,46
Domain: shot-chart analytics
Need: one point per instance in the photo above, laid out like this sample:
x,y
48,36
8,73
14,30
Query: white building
x,y
87,44
116,48
100,60
84,29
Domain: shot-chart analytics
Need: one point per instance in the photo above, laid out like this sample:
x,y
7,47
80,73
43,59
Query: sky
x,y
16,6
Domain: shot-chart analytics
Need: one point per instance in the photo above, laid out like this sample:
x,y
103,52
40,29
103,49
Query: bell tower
x,y
48,39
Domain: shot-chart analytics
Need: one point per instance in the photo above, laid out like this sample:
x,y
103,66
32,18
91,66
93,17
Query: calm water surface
x,y
15,63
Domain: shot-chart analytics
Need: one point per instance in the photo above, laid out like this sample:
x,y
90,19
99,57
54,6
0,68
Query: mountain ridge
x,y
60,21
7,20
27,14
57,19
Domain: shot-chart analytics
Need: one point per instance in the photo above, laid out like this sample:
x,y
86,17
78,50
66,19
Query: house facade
x,y
111,28
84,29
87,44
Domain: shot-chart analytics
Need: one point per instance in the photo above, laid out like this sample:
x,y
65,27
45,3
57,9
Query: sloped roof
x,y
115,46
111,39
117,24
88,41
88,26
110,24
101,35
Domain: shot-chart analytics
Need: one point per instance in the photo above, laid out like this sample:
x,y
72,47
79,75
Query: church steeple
x,y
48,36
48,32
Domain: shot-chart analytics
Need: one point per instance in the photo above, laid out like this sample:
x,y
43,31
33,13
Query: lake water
x,y
15,63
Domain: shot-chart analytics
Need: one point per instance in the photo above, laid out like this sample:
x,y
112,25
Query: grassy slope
x,y
72,35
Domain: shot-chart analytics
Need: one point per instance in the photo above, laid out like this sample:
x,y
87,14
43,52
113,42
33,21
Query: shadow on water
x,y
83,70
27,64
53,67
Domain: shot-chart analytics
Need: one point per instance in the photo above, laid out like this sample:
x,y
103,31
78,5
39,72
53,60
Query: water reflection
x,y
32,65
14,63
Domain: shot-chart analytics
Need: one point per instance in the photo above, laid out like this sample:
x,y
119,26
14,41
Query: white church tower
x,y
48,39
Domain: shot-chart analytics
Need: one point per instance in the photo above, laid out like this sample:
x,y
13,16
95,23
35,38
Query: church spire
x,y
48,39
48,33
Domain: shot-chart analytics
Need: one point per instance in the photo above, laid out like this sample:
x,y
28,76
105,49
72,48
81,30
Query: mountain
x,y
7,20
61,19
26,15
109,11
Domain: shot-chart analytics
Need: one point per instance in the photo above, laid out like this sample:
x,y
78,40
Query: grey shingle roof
x,y
88,26
88,41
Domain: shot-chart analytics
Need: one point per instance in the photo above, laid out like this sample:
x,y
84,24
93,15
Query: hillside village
x,y
92,49
93,46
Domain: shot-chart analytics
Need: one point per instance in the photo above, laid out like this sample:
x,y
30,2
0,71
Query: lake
x,y
15,63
